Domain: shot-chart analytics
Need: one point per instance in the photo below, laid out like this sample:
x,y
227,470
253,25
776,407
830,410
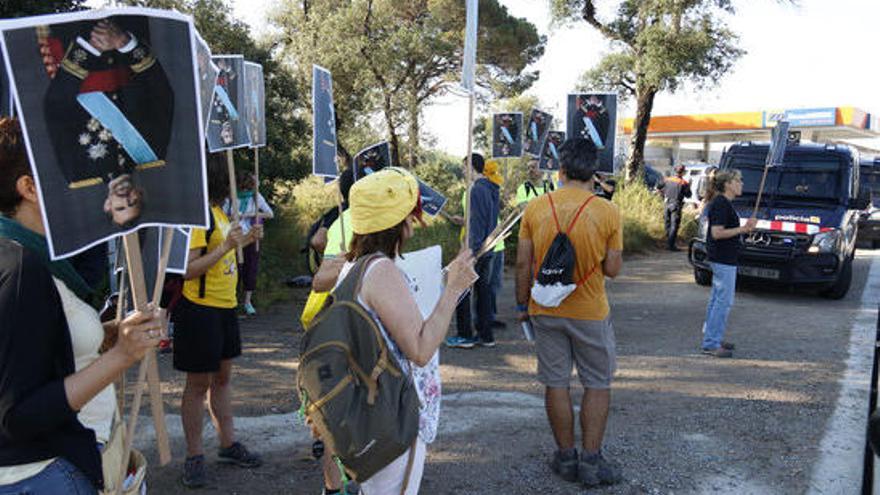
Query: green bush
x,y
311,198
641,210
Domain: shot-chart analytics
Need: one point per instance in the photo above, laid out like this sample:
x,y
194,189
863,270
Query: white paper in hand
x,y
423,271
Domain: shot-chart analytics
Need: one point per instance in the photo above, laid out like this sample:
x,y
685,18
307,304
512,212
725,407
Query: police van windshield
x,y
869,179
817,179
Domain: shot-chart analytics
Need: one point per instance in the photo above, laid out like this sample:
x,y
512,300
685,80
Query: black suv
x,y
869,219
807,222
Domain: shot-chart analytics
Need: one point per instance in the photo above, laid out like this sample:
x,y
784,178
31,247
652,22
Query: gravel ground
x,y
680,422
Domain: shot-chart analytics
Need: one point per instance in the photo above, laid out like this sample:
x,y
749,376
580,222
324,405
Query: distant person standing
x,y
577,331
485,206
252,211
723,242
534,185
674,189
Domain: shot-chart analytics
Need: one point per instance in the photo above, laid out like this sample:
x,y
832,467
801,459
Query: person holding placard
x,y
57,402
206,333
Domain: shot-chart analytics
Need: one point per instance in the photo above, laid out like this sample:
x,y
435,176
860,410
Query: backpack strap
x,y
409,465
208,233
348,289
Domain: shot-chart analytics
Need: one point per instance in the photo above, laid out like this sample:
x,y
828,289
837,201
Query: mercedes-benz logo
x,y
760,239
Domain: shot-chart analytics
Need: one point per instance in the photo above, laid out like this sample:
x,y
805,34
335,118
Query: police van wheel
x,y
702,277
839,289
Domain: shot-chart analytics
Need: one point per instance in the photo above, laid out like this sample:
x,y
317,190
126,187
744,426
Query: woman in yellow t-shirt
x,y
206,335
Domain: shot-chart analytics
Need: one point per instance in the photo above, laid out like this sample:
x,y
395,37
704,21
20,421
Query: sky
x,y
817,53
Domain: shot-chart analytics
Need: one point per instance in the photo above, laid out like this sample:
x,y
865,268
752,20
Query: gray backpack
x,y
351,388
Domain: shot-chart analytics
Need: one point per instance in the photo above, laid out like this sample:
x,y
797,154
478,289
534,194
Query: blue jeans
x,y
482,290
59,477
497,275
720,301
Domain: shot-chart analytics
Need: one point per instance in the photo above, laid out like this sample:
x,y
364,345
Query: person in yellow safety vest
x,y
534,185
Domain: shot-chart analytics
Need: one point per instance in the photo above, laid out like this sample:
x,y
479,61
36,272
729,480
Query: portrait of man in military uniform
x,y
227,125
108,109
539,124
110,113
323,124
371,159
593,116
550,154
507,135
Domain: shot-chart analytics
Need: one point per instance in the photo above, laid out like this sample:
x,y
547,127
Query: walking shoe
x,y
249,309
194,472
486,343
720,352
239,455
728,345
461,342
565,464
595,470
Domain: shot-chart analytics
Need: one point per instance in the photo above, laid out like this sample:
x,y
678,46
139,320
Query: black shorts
x,y
204,336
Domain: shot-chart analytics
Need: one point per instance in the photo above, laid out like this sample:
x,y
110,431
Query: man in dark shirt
x,y
675,190
723,240
485,206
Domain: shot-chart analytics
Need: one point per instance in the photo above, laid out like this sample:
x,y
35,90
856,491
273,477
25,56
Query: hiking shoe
x,y
595,470
565,464
720,352
461,342
728,345
486,343
194,472
239,455
249,309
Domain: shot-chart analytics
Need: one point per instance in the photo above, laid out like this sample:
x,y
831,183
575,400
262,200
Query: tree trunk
x,y
393,141
413,138
635,166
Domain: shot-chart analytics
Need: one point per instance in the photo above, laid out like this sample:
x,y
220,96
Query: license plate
x,y
751,271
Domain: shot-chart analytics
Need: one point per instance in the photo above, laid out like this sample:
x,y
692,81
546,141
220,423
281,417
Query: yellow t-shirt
x,y
222,278
597,230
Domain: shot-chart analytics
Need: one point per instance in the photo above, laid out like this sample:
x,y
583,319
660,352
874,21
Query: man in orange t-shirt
x,y
578,331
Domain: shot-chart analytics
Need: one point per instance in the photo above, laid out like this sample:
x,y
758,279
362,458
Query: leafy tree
x,y
21,8
657,45
392,57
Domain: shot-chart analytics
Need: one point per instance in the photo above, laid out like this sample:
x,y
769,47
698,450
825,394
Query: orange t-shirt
x,y
597,230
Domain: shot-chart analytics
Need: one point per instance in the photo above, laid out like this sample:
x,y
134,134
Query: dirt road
x,y
680,422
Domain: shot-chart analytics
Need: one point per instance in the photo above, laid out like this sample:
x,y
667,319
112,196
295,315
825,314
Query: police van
x,y
807,221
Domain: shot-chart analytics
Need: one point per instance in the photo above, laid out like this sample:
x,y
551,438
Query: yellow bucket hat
x,y
382,200
492,171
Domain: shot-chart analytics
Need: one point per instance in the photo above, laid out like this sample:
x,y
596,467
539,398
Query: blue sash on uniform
x,y
224,98
507,135
594,135
108,114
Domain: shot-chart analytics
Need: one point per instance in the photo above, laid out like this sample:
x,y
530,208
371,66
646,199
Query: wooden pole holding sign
x,y
233,197
257,192
149,370
468,173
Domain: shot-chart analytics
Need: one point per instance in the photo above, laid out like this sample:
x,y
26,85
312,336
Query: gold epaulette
x,y
149,165
94,181
144,64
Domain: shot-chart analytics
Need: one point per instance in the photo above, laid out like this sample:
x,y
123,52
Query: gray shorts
x,y
588,344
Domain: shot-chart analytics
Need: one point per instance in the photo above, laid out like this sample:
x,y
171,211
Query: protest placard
x,y
593,116
549,160
110,154
208,72
371,159
255,103
323,124
227,128
536,131
507,135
